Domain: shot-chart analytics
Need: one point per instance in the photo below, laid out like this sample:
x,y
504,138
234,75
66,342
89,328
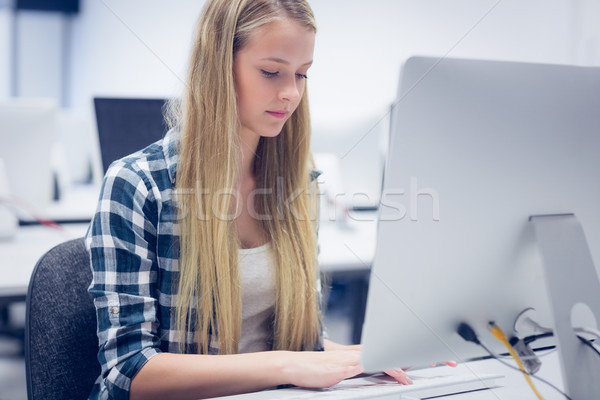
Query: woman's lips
x,y
278,113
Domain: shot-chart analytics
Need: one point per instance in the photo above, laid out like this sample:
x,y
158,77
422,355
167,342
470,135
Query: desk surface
x,y
349,246
512,387
77,203
19,255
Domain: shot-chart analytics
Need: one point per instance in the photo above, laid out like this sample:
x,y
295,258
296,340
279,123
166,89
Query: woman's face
x,y
270,76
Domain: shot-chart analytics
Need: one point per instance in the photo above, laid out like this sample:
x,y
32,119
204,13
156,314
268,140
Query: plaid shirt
x,y
134,249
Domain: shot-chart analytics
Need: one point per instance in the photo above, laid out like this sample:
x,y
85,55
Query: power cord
x,y
590,331
468,334
589,343
533,338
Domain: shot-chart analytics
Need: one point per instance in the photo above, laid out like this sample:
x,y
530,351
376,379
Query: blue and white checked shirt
x,y
134,250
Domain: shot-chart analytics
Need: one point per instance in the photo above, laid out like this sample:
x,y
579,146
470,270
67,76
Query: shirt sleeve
x,y
122,242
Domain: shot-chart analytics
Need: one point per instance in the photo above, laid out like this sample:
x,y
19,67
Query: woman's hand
x,y
321,368
398,374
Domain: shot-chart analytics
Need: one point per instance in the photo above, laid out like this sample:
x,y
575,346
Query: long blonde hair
x,y
209,293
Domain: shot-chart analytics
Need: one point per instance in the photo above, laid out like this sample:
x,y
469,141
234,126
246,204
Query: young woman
x,y
204,246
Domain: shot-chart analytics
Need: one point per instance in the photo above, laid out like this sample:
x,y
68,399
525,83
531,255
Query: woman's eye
x,y
301,76
269,74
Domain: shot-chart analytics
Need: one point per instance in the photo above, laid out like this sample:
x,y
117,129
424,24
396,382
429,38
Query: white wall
x,y
131,48
39,54
587,32
141,48
5,59
361,44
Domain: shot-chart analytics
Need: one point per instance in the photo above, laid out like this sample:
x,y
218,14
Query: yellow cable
x,y
501,336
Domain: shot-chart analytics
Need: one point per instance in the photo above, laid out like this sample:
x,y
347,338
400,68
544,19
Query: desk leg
x,y
7,328
358,289
349,290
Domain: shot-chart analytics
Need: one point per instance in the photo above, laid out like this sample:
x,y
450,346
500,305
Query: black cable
x,y
589,343
533,338
467,333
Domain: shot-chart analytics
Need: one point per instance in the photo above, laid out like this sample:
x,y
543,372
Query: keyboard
x,y
384,387
422,387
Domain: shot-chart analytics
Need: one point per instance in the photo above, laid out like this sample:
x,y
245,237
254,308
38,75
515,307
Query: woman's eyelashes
x,y
269,74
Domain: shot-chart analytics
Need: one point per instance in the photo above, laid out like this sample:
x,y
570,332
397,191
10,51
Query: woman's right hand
x,y
316,369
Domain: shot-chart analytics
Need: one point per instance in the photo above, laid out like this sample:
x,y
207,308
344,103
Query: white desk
x,y
350,246
19,255
77,203
515,386
512,387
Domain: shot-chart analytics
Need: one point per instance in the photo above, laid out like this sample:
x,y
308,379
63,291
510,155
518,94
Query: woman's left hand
x,y
398,374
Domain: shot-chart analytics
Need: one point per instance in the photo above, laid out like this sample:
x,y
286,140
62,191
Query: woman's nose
x,y
290,90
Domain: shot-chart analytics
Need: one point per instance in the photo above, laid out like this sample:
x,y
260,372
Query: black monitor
x,y
126,125
65,6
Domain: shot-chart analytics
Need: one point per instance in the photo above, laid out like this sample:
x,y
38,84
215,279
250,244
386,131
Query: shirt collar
x,y
171,152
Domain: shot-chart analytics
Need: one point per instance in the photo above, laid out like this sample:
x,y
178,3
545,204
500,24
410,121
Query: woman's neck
x,y
248,145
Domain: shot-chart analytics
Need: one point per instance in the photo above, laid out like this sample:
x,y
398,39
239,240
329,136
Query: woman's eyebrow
x,y
282,61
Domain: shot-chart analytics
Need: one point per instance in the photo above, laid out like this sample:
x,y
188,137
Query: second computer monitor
x,y
28,132
126,125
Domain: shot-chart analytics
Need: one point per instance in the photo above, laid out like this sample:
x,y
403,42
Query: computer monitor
x,y
27,135
477,147
126,125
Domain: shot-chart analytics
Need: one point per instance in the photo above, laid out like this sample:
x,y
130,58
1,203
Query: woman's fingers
x,y
323,368
400,376
448,363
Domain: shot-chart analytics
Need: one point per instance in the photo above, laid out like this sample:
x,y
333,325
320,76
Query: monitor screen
x,y
476,148
126,125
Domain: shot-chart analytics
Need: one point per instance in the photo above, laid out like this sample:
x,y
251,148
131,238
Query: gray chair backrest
x,y
61,344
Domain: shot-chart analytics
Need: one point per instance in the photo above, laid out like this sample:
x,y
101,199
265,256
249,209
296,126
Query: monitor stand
x,y
572,280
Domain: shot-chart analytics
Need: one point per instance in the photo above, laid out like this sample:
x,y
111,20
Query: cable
x,y
533,376
501,336
14,201
590,331
589,343
468,334
533,338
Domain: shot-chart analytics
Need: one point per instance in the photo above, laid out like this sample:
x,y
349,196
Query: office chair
x,y
61,344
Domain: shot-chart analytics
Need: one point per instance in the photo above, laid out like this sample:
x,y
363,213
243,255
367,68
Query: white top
x,y
257,278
